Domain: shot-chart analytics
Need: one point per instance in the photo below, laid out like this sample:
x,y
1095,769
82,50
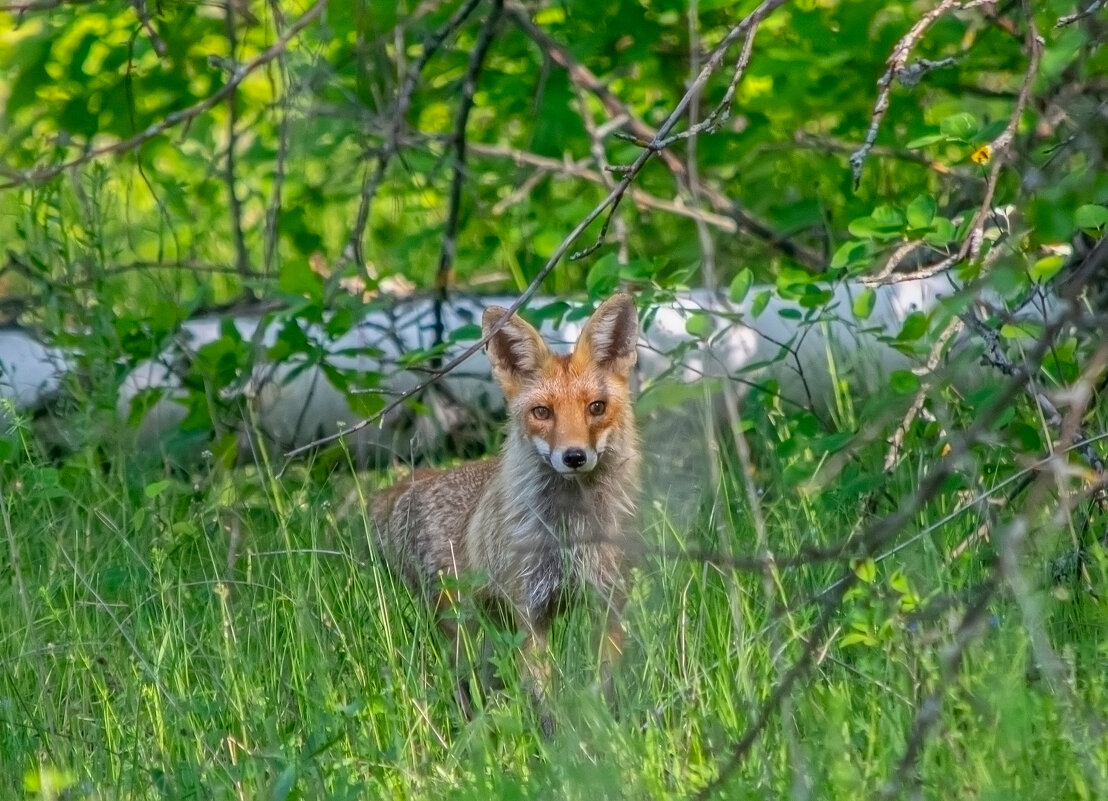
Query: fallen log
x,y
304,381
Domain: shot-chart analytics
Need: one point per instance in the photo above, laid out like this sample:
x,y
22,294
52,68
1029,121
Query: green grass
x,y
225,635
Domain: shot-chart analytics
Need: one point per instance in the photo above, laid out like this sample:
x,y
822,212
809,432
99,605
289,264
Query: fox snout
x,y
577,459
570,460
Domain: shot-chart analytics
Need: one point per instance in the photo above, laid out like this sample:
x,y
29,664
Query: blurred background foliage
x,y
244,196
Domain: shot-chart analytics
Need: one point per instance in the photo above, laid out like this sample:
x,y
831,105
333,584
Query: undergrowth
x,y
226,634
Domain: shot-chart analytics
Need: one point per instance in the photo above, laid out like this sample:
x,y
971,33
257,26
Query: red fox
x,y
554,511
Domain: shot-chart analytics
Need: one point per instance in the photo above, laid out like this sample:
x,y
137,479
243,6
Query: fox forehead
x,y
563,379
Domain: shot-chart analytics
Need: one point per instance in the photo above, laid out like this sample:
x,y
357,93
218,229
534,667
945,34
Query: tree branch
x,y
721,204
449,247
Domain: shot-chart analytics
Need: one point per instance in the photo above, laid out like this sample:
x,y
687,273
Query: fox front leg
x,y
538,670
611,645
450,615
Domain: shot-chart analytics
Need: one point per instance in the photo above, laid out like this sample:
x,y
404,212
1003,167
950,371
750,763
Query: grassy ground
x,y
221,636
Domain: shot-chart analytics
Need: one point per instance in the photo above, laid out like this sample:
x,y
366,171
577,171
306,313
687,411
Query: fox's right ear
x,y
516,351
611,336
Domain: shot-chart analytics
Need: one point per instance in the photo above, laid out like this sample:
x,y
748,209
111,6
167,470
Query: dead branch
x,y
449,247
576,169
242,257
660,142
971,245
372,180
897,61
929,710
1088,11
721,204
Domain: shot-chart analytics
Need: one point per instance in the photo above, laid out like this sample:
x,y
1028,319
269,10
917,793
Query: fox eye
x,y
541,412
596,408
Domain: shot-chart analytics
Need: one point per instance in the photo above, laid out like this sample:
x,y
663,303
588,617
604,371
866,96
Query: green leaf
x,y
904,382
942,232
761,300
863,304
921,211
1046,268
699,325
857,638
847,253
155,488
924,141
914,327
298,278
740,285
285,782
1091,216
603,277
813,297
961,126
887,216
865,570
885,222
898,582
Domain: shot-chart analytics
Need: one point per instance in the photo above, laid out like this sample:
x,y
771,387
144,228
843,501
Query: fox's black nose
x,y
574,458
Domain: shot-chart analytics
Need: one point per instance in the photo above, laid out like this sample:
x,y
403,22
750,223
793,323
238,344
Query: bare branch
x,y
40,5
1088,11
643,133
869,544
576,169
929,710
372,180
273,212
659,142
449,247
974,240
242,257
897,61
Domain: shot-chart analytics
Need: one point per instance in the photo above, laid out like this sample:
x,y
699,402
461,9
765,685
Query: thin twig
x,y
661,141
448,249
40,5
721,204
896,442
1091,9
870,543
971,245
930,708
576,169
242,257
143,14
896,64
273,212
372,180
703,234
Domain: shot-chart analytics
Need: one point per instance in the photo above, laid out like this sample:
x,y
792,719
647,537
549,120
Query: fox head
x,y
573,406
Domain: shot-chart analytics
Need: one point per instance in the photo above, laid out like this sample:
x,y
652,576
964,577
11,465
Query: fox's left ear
x,y
611,335
516,352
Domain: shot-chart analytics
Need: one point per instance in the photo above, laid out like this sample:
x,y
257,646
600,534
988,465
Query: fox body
x,y
553,512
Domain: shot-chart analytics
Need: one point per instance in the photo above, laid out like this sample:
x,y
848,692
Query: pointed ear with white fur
x,y
611,336
516,351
